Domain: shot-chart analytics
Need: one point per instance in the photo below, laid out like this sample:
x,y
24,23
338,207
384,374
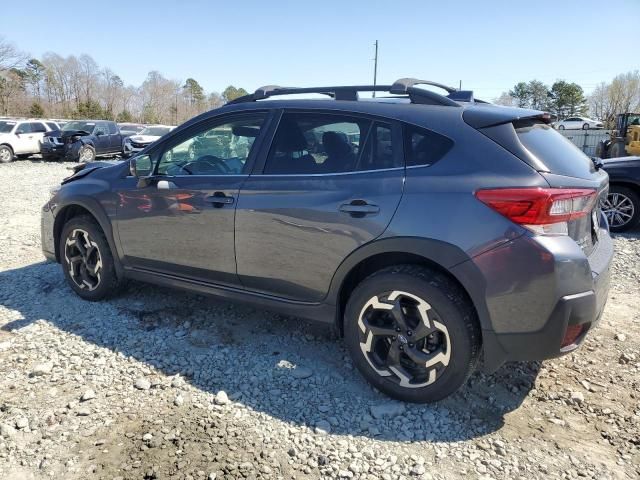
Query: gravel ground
x,y
157,384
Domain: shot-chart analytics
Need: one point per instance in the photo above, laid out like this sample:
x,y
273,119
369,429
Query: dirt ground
x,y
157,384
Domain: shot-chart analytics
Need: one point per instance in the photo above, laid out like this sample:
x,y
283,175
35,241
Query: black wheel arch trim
x,y
96,210
448,257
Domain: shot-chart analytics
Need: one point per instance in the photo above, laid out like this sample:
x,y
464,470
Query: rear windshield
x,y
553,150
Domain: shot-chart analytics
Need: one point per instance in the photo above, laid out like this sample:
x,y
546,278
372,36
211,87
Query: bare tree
x,y
10,56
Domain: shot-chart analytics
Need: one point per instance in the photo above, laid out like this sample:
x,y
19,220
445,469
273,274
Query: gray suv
x,y
433,230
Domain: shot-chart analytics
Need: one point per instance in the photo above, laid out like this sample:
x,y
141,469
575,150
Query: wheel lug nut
x,y
398,329
394,339
409,332
411,345
401,347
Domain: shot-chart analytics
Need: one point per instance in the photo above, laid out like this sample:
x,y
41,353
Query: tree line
x,y
565,99
77,87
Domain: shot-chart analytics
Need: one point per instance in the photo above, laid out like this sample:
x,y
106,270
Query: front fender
x,y
71,204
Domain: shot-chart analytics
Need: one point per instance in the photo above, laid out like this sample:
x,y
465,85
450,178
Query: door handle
x,y
219,199
359,208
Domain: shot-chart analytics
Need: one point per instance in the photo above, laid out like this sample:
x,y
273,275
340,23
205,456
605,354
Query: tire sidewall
x,y
461,361
8,148
108,278
82,149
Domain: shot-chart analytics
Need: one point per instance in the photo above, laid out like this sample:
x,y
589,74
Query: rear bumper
x,y
543,289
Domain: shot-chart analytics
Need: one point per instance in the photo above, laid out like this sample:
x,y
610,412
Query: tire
x,y
86,154
99,280
6,154
622,208
453,339
23,156
585,126
560,127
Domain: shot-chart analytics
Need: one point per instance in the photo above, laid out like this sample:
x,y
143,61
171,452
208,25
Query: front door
x,y
182,222
23,138
330,184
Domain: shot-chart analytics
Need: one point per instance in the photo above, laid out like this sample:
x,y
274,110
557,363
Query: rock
x,y
212,476
7,430
22,422
88,395
389,409
301,372
142,384
178,400
222,398
322,427
418,470
42,369
83,412
147,437
621,337
577,398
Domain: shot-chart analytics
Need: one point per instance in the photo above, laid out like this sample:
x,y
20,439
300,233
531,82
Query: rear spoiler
x,y
482,116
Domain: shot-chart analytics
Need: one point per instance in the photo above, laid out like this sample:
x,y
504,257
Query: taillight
x,y
545,211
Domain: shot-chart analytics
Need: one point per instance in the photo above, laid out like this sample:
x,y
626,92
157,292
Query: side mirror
x,y
140,166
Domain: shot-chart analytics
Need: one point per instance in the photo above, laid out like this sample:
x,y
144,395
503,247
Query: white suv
x,y
22,138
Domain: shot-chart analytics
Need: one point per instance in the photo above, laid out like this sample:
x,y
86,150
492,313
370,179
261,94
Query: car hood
x,y
620,161
144,138
84,169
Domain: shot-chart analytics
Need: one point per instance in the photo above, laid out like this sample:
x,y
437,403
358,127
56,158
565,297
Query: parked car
x,y
577,123
136,143
83,141
128,129
449,230
21,138
622,205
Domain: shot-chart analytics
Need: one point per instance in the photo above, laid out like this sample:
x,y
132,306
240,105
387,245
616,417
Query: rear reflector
x,y
543,210
571,335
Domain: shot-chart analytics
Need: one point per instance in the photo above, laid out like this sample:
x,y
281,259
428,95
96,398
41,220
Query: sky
x,y
489,45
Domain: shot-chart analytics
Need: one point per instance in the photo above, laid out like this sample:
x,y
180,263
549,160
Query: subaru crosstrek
x,y
433,231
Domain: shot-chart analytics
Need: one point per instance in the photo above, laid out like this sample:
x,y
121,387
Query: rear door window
x,y
37,127
553,150
23,128
327,143
424,147
112,128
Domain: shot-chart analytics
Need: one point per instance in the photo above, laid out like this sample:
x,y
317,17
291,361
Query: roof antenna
x,y
375,70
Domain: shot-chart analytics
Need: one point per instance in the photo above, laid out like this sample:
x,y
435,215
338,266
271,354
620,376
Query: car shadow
x,y
209,342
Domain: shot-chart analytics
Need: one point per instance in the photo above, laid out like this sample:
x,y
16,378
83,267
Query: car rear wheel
x,y
86,154
585,126
560,127
86,259
412,333
622,208
6,154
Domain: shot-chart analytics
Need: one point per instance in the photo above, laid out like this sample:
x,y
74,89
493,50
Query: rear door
x,y
328,184
38,130
115,140
102,141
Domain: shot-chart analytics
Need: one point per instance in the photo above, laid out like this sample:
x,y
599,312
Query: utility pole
x,y
375,68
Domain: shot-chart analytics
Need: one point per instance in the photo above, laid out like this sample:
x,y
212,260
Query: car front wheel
x,y
6,154
585,126
86,154
87,261
412,333
561,127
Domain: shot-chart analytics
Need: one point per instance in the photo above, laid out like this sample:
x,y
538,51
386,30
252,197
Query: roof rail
x,y
403,86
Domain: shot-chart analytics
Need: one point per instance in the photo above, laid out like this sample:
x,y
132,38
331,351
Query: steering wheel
x,y
205,163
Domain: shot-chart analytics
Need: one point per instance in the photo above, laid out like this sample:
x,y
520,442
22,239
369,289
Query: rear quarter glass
x,y
558,154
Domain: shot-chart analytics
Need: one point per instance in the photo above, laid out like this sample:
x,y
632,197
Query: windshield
x,y
80,125
155,131
6,127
